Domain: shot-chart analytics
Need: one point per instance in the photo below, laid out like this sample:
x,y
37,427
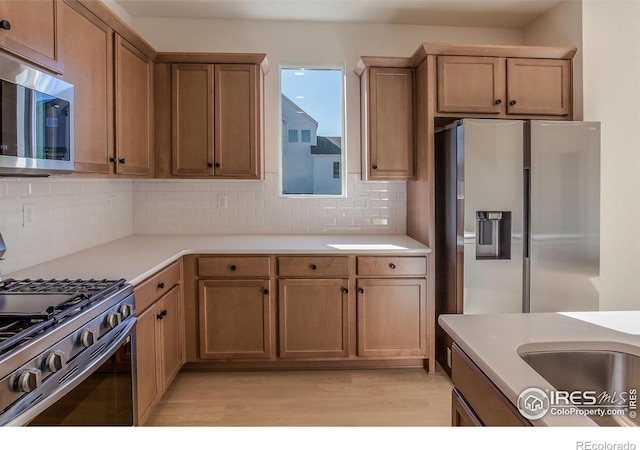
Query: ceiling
x,y
480,13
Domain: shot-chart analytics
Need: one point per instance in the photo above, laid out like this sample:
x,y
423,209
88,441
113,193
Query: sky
x,y
319,93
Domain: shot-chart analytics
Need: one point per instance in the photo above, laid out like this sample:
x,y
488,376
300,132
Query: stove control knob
x,y
113,320
29,380
87,338
55,361
125,311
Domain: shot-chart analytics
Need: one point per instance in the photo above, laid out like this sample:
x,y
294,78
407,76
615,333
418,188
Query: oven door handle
x,y
22,412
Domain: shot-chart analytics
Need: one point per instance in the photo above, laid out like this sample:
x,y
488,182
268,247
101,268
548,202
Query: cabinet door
x,y
149,385
33,33
237,121
134,110
86,44
171,336
390,136
391,317
539,86
235,319
470,84
192,119
461,413
314,318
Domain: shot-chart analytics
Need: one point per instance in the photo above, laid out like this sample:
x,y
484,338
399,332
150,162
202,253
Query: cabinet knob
x,y
512,102
217,164
160,285
392,266
265,292
313,267
498,101
5,24
361,291
121,161
233,268
209,164
374,167
159,316
345,290
112,160
163,312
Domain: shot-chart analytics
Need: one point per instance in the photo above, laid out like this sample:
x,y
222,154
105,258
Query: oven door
x,y
99,393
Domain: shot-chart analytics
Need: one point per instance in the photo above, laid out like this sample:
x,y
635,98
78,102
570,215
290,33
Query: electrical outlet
x,y
222,201
449,357
28,215
364,202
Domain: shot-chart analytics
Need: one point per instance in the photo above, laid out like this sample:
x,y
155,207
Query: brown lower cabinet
x,y
235,319
476,401
314,318
160,347
392,317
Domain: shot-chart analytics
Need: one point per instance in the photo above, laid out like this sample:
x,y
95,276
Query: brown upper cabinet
x,y
87,45
209,115
29,29
387,119
133,110
496,84
111,69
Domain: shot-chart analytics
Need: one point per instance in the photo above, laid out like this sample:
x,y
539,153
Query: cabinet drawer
x,y
392,265
313,266
155,287
235,266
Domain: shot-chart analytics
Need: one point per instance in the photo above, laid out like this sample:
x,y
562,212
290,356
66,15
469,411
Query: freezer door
x,y
565,216
491,189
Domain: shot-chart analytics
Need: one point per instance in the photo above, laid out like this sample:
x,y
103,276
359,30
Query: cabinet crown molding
x,y
214,58
500,51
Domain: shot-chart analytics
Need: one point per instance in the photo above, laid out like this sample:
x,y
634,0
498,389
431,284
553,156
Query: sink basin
x,y
611,372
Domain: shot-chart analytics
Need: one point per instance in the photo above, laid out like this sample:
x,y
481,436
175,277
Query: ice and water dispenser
x,y
493,234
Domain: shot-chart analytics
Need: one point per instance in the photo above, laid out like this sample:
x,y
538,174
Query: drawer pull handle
x,y
233,268
361,291
392,266
265,292
313,267
160,285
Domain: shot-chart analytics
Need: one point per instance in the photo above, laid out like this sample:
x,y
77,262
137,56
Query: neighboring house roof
x,y
327,146
298,109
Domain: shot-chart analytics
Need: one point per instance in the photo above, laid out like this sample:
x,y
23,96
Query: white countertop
x,y
493,342
136,257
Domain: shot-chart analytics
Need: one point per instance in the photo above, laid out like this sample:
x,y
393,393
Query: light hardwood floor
x,y
386,397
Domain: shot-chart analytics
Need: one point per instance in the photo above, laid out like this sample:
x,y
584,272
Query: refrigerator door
x,y
565,216
491,186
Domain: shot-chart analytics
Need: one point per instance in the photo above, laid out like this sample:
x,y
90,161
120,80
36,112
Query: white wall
x,y
70,214
606,34
612,96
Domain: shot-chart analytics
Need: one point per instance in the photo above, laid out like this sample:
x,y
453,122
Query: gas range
x,y
53,333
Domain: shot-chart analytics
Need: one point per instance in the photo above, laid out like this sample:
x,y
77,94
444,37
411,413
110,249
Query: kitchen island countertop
x,y
494,343
137,257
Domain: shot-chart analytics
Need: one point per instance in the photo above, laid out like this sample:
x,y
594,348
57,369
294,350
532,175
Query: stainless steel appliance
x,y
518,215
36,121
66,352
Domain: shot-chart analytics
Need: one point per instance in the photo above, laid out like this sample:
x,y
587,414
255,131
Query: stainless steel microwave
x,y
36,121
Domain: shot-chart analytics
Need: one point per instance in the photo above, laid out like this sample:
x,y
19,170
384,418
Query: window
x,y
313,159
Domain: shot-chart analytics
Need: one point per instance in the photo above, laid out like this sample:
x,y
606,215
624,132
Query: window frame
x,y
343,154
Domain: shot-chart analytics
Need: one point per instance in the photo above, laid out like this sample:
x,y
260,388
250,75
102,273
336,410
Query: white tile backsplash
x,y
254,207
69,215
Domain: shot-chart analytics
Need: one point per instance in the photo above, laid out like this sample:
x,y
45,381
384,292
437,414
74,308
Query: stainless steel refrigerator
x,y
517,216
